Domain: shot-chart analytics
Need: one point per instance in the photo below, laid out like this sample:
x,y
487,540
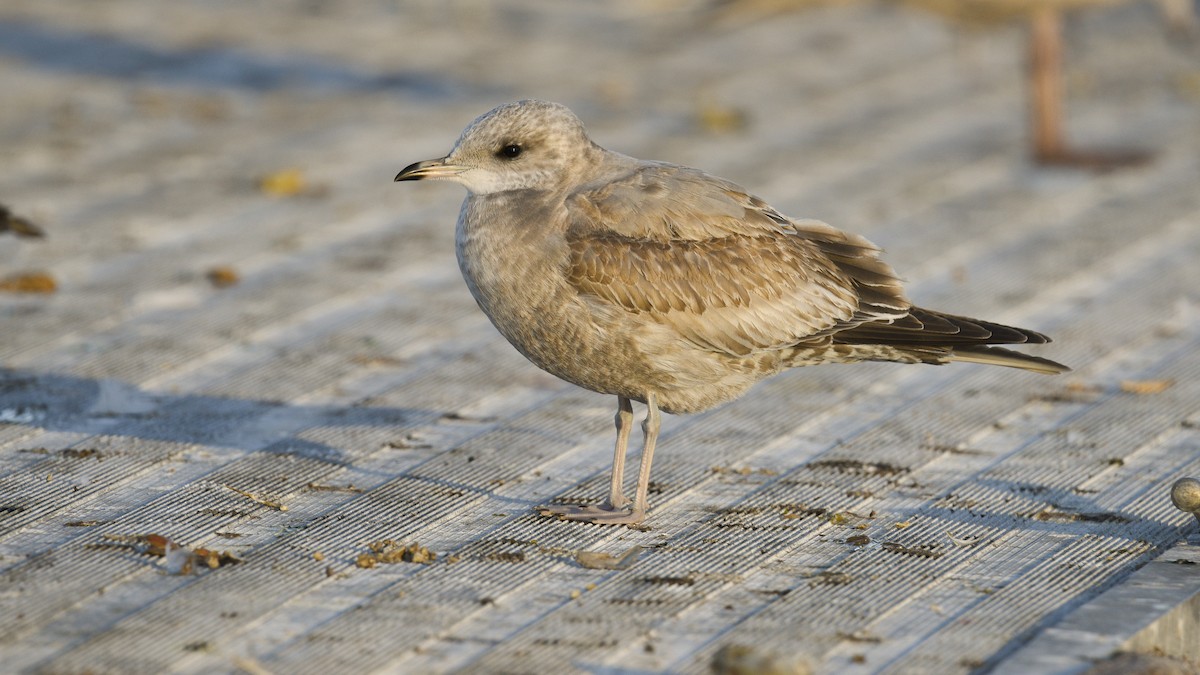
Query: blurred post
x,y
1045,63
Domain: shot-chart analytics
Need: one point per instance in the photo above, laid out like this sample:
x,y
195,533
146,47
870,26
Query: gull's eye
x,y
510,151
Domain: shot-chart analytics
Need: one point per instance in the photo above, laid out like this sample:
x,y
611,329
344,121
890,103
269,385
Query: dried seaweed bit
x,y
670,580
792,511
507,556
179,559
22,227
1074,392
958,449
283,183
742,471
855,466
739,659
388,551
1143,387
1055,513
457,416
830,578
916,551
848,517
860,636
858,540
29,282
409,442
222,276
715,118
257,499
969,540
81,453
319,487
606,561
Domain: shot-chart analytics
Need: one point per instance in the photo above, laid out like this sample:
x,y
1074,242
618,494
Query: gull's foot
x,y
603,514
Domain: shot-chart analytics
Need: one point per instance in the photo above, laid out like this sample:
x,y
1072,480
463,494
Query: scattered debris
x,y
956,449
29,282
284,183
670,580
1143,387
222,276
736,659
858,540
848,517
455,416
409,442
388,551
11,222
963,541
859,467
714,118
180,560
925,551
860,636
81,453
606,561
1056,514
507,556
257,499
377,360
1073,392
830,578
743,471
320,487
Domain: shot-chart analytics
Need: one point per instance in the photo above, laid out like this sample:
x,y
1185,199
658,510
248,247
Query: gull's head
x,y
517,146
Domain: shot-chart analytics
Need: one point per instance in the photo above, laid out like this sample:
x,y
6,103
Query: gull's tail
x,y
932,337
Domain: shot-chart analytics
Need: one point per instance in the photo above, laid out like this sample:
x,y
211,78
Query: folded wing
x,y
721,267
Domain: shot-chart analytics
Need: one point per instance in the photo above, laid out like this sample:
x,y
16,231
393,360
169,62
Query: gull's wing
x,y
721,267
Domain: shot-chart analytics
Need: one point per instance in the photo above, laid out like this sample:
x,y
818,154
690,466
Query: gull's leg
x,y
624,420
650,428
615,510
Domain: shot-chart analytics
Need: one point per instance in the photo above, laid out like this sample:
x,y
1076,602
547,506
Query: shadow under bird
x,y
662,284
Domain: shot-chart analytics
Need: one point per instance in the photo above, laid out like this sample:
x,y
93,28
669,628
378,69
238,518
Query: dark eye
x,y
511,151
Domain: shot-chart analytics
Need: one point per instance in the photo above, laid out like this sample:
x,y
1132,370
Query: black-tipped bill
x,y
430,168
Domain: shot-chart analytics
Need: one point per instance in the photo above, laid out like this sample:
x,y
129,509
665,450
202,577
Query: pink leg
x,y
616,511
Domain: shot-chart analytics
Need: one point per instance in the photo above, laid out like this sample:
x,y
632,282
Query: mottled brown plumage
x,y
665,285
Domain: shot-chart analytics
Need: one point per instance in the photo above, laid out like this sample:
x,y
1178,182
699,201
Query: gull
x,y
662,284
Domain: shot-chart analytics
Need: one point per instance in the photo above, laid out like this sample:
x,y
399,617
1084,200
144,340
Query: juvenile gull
x,y
662,284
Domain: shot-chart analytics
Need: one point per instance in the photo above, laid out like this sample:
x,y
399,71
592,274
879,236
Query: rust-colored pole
x,y
1046,87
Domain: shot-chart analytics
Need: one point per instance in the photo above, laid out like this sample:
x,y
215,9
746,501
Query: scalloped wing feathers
x,y
723,268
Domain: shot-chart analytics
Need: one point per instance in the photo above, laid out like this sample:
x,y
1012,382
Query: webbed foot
x,y
602,514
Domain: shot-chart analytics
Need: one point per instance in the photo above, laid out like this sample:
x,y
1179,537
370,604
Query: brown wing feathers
x,y
926,327
734,275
